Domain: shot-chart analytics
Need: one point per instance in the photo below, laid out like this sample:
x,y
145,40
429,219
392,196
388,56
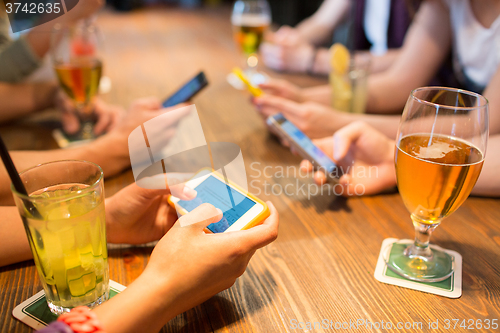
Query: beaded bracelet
x,y
81,320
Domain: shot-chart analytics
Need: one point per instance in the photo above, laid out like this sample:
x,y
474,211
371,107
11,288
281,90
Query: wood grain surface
x,y
322,265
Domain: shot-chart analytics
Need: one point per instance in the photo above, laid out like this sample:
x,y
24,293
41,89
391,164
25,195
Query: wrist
x,y
312,62
110,152
145,306
44,95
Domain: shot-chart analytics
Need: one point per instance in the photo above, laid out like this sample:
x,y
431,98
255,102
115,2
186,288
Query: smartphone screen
x,y
300,139
214,191
187,91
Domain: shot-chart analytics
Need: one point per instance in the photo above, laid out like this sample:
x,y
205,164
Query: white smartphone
x,y
240,210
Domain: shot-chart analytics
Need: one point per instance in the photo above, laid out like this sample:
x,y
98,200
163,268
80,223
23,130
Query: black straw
x,y
16,180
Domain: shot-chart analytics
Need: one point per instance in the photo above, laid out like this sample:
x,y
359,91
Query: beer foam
x,y
251,20
436,150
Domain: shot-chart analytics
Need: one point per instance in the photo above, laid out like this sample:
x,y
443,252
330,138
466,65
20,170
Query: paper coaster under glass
x,y
451,287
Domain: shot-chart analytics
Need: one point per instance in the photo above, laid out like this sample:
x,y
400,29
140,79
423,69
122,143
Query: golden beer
x,y
435,174
80,79
249,31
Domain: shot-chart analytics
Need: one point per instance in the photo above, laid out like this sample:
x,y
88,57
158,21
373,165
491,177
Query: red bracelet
x,y
82,320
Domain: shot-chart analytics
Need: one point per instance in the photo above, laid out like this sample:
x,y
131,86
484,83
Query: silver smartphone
x,y
283,128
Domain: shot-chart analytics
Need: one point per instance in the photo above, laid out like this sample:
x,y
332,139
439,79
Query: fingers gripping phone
x,y
283,128
187,91
241,210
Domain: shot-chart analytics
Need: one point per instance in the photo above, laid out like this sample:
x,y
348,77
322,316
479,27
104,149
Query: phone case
x,y
255,221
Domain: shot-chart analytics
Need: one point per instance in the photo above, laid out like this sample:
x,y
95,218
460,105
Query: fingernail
x,y
189,192
219,211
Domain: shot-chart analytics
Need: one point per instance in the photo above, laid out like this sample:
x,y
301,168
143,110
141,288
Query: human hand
x,y
365,155
136,215
193,266
282,88
107,115
186,268
145,109
288,58
286,36
315,120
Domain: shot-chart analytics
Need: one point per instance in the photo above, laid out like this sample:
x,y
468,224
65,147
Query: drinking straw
x,y
16,180
351,42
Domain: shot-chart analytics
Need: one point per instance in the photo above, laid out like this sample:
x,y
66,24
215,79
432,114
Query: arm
x,y
21,57
491,94
318,121
426,45
488,183
318,28
14,245
368,156
110,151
133,216
400,71
292,49
210,265
21,99
381,63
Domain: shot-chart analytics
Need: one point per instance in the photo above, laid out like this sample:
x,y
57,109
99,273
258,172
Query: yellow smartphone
x,y
241,210
255,91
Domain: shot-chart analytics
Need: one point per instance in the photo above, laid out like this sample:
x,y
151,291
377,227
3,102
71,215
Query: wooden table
x,y
322,265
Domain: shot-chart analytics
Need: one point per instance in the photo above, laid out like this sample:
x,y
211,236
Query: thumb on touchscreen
x,y
201,216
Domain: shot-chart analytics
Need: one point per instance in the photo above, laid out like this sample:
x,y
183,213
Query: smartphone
x,y
255,91
283,128
187,91
241,210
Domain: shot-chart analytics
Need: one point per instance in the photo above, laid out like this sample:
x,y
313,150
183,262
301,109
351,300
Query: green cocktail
x,y
64,220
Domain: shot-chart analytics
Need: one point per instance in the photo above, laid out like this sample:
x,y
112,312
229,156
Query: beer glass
x,y
74,51
440,149
250,19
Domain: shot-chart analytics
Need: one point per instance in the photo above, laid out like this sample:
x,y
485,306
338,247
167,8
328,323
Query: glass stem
x,y
423,232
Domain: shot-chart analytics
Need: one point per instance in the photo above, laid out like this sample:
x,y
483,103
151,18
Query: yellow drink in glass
x,y
67,237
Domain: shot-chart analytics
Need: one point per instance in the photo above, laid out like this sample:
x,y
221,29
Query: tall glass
x,y
64,219
74,51
440,149
350,89
250,19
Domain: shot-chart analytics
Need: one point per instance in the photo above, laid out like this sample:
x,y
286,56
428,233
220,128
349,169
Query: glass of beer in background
x,y
64,219
78,67
440,149
250,19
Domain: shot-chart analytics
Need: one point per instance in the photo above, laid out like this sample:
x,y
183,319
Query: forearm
x,y
381,63
318,94
14,245
488,183
387,94
321,64
146,305
319,27
109,152
386,124
21,99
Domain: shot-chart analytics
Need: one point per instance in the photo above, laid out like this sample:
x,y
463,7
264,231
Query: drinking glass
x,y
64,219
74,51
350,89
440,149
250,19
